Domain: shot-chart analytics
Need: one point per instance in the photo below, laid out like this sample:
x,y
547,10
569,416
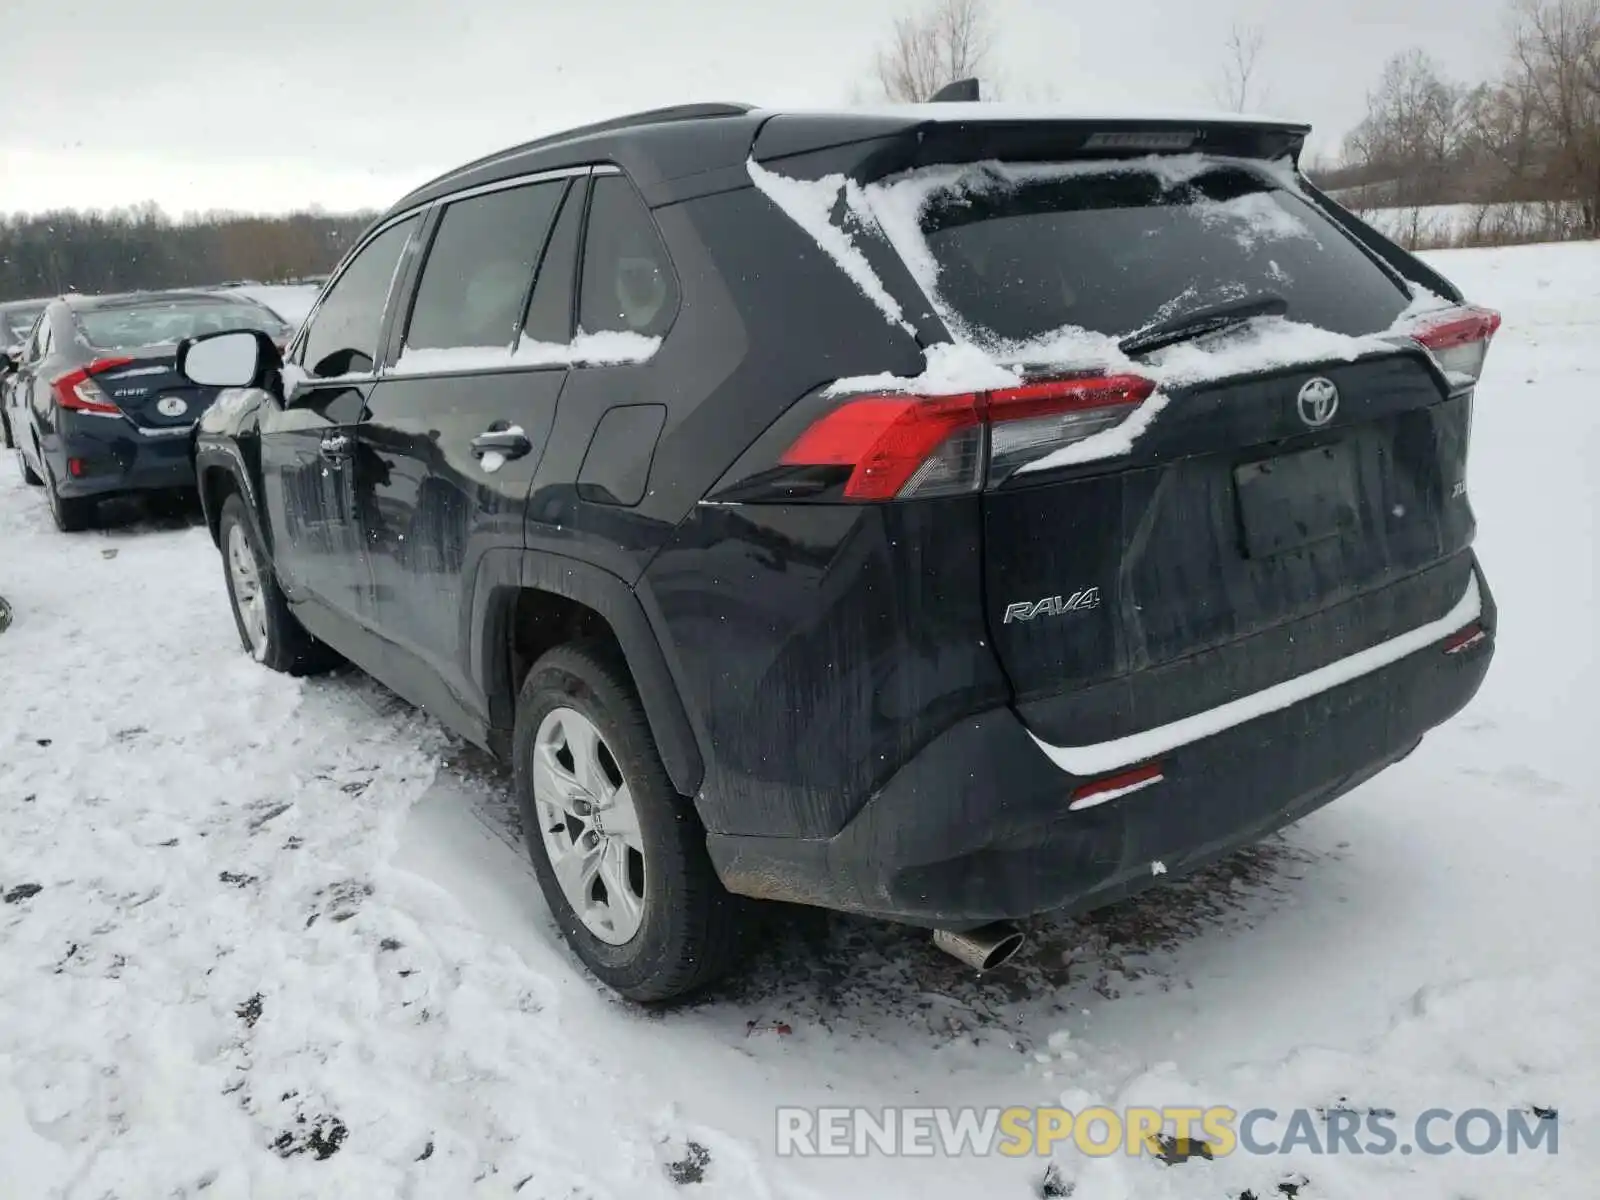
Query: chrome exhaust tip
x,y
981,949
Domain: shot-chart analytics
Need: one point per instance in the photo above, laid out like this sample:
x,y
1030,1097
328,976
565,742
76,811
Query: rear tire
x,y
72,514
271,634
683,929
29,475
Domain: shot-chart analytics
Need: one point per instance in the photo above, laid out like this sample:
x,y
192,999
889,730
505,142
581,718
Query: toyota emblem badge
x,y
1318,401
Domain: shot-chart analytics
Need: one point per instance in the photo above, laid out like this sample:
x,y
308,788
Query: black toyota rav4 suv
x,y
945,514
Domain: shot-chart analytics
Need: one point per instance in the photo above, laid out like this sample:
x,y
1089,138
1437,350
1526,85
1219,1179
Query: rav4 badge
x,y
1053,606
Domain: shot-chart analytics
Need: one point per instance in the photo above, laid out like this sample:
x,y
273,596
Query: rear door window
x,y
1021,254
479,271
343,336
628,282
548,320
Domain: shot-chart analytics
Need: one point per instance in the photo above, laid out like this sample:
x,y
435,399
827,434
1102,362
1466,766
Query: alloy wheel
x,y
589,826
244,573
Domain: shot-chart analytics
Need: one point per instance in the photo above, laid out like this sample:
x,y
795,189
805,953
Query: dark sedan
x,y
96,408
16,321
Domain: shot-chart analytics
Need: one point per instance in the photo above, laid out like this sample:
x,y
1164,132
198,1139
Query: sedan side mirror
x,y
234,358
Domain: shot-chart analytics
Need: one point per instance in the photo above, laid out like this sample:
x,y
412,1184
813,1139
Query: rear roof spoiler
x,y
872,144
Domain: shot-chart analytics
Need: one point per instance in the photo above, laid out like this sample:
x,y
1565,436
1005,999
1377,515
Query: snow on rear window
x,y
1098,250
1252,219
1010,254
810,203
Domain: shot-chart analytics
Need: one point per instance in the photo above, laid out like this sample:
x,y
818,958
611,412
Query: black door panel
x,y
309,474
454,432
431,507
311,466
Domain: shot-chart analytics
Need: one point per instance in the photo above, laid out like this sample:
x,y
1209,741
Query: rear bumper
x,y
977,827
117,457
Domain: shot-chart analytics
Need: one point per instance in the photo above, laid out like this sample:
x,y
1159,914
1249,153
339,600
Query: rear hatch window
x,y
1012,254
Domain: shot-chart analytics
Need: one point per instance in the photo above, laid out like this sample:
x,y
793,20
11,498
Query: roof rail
x,y
653,116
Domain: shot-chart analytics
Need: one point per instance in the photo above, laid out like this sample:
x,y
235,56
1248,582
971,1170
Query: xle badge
x,y
1053,606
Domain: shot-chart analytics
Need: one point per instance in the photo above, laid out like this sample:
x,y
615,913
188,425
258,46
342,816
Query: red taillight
x,y
905,446
1458,338
78,391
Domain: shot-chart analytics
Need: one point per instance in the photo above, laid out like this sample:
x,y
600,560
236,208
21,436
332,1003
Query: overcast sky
x,y
279,104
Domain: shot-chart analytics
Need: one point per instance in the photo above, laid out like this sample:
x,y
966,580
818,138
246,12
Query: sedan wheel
x,y
589,826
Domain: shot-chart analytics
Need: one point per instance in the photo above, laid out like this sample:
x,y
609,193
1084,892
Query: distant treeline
x,y
127,249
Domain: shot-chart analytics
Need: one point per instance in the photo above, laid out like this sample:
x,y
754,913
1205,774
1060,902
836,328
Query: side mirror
x,y
234,358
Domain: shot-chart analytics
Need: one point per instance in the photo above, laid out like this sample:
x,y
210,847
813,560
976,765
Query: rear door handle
x,y
508,443
337,445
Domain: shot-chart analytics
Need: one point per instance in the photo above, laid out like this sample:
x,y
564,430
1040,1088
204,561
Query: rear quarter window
x,y
1021,254
628,284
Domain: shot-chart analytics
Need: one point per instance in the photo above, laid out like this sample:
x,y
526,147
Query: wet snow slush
x,y
261,937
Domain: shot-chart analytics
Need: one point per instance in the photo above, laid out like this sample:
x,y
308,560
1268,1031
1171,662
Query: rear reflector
x,y
1458,338
1113,786
1465,639
904,446
77,468
77,390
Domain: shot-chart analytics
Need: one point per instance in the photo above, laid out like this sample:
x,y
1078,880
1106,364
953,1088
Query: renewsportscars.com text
x,y
1210,1132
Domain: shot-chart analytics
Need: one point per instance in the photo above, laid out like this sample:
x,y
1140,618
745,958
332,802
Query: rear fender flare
x,y
622,609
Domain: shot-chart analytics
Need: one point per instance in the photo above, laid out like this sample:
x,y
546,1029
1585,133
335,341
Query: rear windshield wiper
x,y
1200,321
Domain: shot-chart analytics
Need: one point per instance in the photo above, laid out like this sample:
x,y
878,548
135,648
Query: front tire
x,y
271,634
620,855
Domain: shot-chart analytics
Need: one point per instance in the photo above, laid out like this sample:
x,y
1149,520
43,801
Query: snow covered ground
x,y
267,938
1469,224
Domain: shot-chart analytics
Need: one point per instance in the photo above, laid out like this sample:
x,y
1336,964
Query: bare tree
x,y
1525,148
1499,140
945,41
1411,135
1556,77
1238,89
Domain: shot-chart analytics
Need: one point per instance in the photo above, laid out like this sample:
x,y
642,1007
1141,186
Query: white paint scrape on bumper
x,y
1100,757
